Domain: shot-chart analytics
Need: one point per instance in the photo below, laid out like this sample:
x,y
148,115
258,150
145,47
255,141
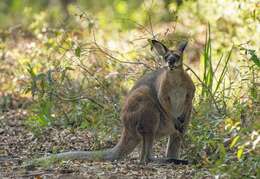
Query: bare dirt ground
x,y
18,144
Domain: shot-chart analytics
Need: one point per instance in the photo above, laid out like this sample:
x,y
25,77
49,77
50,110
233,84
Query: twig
x,y
118,60
7,158
78,98
136,23
82,66
211,95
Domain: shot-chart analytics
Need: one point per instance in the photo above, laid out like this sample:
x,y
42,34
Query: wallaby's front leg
x,y
173,146
147,129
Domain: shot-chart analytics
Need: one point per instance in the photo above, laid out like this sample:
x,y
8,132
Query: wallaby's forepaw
x,y
179,123
181,118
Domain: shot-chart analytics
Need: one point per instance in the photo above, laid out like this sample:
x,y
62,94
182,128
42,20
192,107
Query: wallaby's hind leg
x,y
146,152
147,128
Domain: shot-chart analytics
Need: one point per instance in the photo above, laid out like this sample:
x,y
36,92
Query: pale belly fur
x,y
177,98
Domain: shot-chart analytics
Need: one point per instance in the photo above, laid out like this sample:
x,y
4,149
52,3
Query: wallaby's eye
x,y
167,56
176,56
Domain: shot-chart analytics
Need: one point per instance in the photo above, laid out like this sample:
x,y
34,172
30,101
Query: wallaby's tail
x,y
126,145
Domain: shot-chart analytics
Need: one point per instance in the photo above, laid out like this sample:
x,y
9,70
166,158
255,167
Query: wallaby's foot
x,y
145,156
176,161
168,160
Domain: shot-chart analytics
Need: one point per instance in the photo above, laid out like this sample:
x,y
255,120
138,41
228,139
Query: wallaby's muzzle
x,y
171,65
173,60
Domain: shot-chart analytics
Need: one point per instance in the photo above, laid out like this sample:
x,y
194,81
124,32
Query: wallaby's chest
x,y
174,89
177,97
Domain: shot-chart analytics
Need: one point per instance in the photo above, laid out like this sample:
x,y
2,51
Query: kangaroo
x,y
158,105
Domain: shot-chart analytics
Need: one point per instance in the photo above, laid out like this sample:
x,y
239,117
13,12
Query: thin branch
x,y
78,98
136,23
211,95
118,60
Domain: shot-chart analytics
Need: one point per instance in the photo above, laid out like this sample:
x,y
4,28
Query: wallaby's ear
x,y
159,47
182,45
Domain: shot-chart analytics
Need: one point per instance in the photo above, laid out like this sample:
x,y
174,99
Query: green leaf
x,y
240,152
121,7
254,58
234,141
78,51
222,152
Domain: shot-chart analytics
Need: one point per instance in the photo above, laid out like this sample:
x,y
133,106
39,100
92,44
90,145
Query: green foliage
x,y
208,69
253,56
58,103
224,141
213,78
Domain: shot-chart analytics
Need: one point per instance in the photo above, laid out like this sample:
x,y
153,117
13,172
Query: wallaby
x,y
158,105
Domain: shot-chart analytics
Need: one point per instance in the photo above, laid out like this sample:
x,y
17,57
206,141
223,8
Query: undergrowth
x,y
225,127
